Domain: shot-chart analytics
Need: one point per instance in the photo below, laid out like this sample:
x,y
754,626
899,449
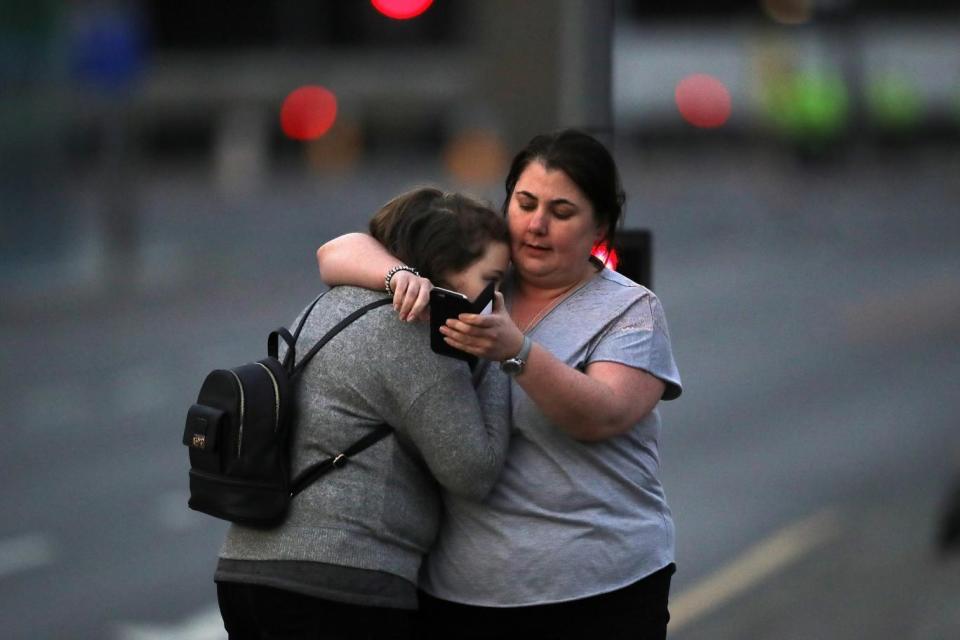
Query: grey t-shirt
x,y
568,519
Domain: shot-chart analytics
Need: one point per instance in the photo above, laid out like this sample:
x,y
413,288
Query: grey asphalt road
x,y
815,315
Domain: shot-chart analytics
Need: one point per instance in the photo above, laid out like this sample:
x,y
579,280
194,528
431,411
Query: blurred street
x,y
815,317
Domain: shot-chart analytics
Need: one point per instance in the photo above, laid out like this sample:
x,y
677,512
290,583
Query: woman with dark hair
x,y
576,538
344,563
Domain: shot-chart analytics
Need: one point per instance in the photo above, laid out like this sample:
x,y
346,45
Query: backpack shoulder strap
x,y
291,340
312,473
306,314
337,329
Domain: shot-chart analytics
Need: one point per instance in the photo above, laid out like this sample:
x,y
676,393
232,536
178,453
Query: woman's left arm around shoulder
x,y
605,400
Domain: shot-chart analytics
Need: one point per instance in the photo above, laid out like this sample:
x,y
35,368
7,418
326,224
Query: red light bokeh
x,y
611,259
401,9
308,112
703,101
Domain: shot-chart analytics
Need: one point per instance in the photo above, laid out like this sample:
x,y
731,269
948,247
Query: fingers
x,y
498,302
490,336
421,307
411,295
463,346
465,342
460,330
400,283
480,321
477,339
409,299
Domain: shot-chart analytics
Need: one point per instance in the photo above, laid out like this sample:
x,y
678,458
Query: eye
x,y
527,204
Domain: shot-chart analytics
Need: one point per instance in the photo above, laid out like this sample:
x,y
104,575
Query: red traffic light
x,y
401,9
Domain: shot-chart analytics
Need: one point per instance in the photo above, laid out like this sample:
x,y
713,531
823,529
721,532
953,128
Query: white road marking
x,y
24,553
203,625
756,564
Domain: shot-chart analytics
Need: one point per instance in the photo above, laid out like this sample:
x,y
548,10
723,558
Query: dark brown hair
x,y
585,161
437,233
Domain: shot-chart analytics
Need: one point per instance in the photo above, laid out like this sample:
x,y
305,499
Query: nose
x,y
538,222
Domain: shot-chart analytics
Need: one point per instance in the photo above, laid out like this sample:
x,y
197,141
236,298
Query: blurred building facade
x,y
197,77
814,68
103,89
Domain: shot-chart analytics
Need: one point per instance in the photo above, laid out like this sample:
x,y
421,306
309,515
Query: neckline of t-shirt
x,y
569,296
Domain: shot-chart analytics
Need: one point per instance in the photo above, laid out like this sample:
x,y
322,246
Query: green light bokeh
x,y
894,103
811,105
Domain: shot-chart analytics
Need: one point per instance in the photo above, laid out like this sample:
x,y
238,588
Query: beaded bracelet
x,y
394,271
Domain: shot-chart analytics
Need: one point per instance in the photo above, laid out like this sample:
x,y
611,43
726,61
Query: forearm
x,y
356,259
605,400
359,260
582,407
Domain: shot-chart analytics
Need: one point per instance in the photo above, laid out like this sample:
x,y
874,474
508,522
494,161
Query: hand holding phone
x,y
446,304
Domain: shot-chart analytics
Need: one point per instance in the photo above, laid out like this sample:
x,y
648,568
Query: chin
x,y
535,271
530,265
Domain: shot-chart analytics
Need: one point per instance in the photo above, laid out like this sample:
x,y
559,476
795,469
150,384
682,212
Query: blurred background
x,y
167,171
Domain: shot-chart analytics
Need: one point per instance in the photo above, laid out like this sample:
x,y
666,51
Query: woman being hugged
x,y
576,538
344,563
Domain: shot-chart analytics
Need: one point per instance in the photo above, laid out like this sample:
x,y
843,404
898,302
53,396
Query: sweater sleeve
x,y
462,439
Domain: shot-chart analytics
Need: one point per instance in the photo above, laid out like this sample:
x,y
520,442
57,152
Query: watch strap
x,y
524,350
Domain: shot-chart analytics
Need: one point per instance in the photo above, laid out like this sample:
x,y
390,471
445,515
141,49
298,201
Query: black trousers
x,y
638,612
252,612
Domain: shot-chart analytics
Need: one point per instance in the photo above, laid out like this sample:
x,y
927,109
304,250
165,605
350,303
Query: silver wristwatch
x,y
514,366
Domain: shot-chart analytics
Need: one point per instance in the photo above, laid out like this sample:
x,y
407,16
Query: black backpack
x,y
239,431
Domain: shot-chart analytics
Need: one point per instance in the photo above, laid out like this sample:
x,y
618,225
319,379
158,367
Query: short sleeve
x,y
639,338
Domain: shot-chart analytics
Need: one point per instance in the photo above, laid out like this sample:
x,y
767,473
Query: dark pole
x,y
635,254
545,64
586,52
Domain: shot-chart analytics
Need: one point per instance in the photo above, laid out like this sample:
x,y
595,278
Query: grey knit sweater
x,y
380,512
